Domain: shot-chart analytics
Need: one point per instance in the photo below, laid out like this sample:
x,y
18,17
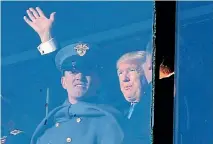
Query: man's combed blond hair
x,y
139,56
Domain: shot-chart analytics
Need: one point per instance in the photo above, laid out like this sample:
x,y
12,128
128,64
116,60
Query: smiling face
x,y
76,84
129,73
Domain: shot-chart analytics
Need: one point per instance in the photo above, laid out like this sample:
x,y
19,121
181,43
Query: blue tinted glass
x,y
60,81
194,101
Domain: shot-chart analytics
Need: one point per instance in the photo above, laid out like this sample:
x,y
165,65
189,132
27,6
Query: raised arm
x,y
42,25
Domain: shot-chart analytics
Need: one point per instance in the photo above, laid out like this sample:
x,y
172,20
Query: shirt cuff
x,y
47,47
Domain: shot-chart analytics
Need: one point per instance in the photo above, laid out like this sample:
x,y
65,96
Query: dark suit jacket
x,y
138,127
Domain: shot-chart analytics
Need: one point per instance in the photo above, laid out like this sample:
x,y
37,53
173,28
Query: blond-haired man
x,y
137,93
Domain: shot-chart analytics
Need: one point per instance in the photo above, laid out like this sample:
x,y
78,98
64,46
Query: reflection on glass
x,y
98,95
194,101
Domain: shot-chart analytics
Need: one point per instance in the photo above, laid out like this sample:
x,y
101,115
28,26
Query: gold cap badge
x,y
81,49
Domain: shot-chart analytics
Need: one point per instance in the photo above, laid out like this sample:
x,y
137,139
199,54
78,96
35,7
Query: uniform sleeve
x,y
47,47
112,134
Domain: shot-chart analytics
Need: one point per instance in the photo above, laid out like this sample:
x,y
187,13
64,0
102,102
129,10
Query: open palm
x,y
39,22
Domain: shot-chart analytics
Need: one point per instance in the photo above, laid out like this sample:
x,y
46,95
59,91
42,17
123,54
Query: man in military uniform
x,y
80,120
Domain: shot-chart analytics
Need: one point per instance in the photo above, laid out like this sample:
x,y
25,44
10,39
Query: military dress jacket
x,y
81,123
